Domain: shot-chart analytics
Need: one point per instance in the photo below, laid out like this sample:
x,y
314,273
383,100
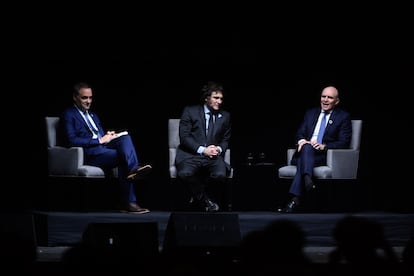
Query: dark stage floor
x,y
54,232
66,228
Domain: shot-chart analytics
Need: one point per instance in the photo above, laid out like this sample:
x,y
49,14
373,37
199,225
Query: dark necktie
x,y
210,128
322,128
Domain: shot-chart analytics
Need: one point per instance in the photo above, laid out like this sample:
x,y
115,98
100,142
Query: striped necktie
x,y
90,125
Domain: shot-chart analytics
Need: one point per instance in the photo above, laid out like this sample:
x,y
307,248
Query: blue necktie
x,y
322,128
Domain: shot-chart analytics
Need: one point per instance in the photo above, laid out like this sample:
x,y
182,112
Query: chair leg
x,y
229,194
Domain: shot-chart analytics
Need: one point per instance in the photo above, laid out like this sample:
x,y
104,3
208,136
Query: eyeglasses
x,y
86,97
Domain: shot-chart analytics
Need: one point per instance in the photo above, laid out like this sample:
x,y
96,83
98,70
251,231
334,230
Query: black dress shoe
x,y
291,206
309,185
210,206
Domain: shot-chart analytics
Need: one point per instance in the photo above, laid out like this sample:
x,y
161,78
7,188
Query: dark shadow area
x,y
143,76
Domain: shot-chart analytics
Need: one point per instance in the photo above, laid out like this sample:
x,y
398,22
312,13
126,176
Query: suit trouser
x,y
120,153
305,161
197,171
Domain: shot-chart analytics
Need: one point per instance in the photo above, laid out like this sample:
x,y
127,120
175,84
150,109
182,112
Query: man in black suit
x,y
312,145
205,131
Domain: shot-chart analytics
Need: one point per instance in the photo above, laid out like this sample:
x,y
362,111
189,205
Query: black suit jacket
x,y
193,135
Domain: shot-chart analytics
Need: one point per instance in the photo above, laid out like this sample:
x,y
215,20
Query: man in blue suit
x,y
107,150
312,145
205,132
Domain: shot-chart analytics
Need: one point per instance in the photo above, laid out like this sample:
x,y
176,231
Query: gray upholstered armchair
x,y
341,163
67,162
68,175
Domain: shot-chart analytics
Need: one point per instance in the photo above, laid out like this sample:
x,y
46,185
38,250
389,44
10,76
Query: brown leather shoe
x,y
134,208
139,172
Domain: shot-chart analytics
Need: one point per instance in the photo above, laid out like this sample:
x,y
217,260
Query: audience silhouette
x,y
279,247
361,246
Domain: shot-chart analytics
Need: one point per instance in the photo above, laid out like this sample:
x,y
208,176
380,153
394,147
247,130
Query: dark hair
x,y
78,86
210,87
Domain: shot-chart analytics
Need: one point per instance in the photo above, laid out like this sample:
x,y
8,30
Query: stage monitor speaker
x,y
141,238
204,233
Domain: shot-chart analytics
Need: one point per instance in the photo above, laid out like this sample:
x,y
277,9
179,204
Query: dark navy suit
x,y
337,135
193,135
120,152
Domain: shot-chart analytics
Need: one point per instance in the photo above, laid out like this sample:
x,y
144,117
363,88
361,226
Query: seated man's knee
x,y
186,176
307,147
125,138
218,177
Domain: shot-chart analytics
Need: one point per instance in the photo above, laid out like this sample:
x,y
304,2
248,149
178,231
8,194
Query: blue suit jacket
x,y
76,132
338,131
192,132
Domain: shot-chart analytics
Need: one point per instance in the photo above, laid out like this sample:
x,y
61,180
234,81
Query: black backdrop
x,y
143,76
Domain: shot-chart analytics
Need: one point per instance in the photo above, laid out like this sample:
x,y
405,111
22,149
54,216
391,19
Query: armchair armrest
x,y
344,163
64,161
290,153
227,160
173,170
227,156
